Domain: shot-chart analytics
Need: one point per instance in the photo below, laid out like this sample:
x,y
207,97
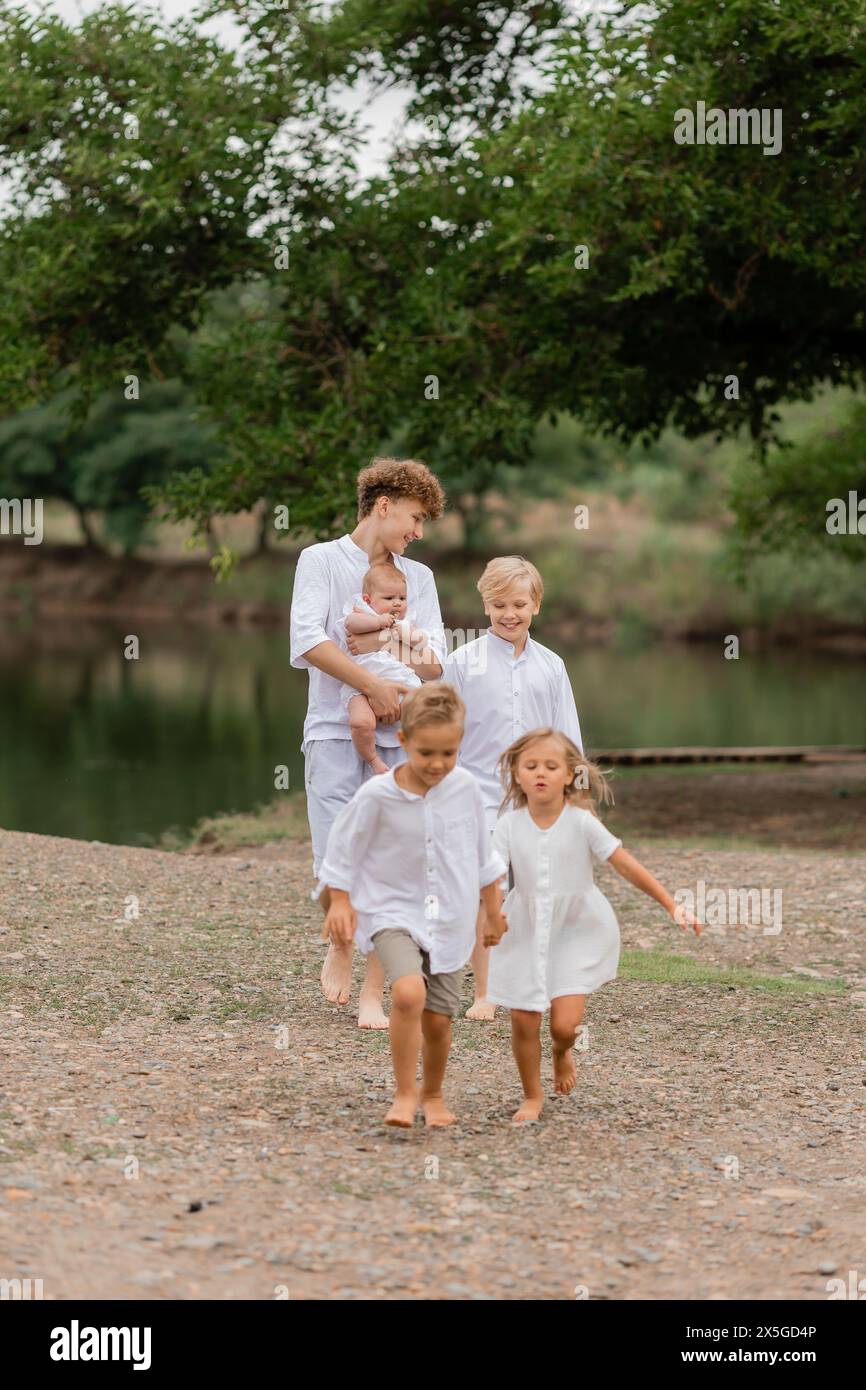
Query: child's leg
x,y
526,1045
362,724
481,1010
408,994
370,1011
436,1029
566,1014
444,995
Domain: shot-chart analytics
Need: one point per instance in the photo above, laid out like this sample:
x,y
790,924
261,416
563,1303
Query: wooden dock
x,y
635,756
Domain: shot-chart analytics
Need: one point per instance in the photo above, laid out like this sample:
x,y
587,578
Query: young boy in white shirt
x,y
405,865
510,684
395,498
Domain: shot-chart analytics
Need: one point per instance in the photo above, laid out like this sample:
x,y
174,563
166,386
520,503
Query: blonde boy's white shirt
x,y
414,862
327,576
506,696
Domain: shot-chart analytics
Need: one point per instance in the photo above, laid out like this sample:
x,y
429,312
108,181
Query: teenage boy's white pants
x,y
333,772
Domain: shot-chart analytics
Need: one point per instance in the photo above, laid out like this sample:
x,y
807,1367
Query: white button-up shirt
x,y
505,696
327,576
416,862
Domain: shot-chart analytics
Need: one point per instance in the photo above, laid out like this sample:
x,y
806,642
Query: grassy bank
x,y
724,806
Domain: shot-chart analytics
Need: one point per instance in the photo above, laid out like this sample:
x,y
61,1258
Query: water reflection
x,y
94,746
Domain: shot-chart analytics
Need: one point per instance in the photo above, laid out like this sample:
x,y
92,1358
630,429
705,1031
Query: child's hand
x,y
388,620
340,923
494,929
685,919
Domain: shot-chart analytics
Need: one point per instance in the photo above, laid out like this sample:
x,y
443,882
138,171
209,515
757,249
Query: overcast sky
x,y
384,115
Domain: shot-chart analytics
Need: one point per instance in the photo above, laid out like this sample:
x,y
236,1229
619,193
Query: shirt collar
x,y
351,548
507,648
434,792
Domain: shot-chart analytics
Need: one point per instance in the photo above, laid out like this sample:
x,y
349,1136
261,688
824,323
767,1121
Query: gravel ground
x,y
183,1117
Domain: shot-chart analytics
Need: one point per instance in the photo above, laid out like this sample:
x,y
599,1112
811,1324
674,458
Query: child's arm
x,y
342,919
496,925
626,865
359,621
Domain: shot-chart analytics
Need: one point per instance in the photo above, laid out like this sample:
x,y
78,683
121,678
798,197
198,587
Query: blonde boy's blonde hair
x,y
501,575
587,786
432,703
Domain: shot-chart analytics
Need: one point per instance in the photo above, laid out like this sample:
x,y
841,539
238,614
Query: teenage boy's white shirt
x,y
416,862
505,696
328,575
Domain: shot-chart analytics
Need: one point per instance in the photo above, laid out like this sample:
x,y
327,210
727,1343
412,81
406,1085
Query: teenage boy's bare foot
x,y
482,1011
436,1112
402,1112
564,1072
376,765
337,974
370,1011
529,1111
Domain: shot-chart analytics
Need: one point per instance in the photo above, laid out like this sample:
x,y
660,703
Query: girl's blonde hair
x,y
432,703
501,575
587,787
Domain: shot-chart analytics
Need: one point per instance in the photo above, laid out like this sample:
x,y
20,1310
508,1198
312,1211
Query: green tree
x,y
102,464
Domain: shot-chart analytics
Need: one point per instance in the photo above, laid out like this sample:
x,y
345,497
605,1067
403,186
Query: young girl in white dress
x,y
562,938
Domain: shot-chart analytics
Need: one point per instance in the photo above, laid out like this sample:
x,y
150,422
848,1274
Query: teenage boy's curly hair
x,y
386,477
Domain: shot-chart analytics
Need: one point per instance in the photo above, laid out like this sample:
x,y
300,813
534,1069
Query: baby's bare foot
x,y
370,1011
436,1112
482,1011
529,1111
402,1112
564,1072
337,974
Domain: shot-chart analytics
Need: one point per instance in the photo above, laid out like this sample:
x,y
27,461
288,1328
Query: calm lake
x,y
97,747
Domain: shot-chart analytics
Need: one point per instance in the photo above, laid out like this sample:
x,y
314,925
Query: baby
x,y
381,608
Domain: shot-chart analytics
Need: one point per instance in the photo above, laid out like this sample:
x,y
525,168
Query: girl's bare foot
x,y
436,1112
529,1111
370,1011
564,1071
482,1011
402,1112
337,974
377,766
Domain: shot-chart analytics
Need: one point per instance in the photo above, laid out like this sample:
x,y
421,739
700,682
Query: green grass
x,y
662,967
285,818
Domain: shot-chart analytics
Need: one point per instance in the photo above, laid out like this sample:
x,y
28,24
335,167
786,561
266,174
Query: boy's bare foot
x,y
377,766
564,1072
402,1112
529,1111
337,974
436,1112
482,1011
370,1011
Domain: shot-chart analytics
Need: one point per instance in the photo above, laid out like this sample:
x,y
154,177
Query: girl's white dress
x,y
562,936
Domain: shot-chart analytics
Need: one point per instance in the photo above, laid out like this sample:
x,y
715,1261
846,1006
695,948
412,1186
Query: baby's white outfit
x,y
562,936
382,663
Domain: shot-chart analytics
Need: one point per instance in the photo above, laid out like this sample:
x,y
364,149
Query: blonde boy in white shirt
x,y
405,865
510,684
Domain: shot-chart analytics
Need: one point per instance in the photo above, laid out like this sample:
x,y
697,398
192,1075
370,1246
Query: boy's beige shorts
x,y
400,955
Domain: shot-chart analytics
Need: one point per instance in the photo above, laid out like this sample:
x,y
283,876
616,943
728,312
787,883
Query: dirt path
x,y
181,1116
